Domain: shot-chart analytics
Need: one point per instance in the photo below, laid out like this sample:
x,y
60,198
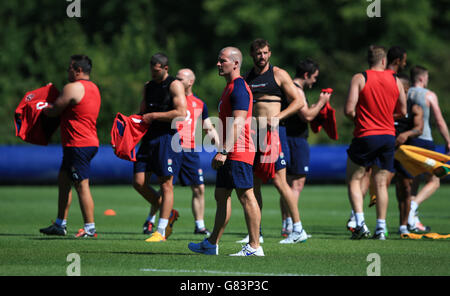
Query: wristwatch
x,y
224,152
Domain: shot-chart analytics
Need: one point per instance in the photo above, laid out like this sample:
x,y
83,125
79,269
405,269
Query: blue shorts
x,y
157,156
235,174
283,160
298,163
190,172
425,144
77,161
376,150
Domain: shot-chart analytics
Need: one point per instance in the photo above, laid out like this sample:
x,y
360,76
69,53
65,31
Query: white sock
x,y
290,223
162,226
381,226
61,222
200,224
414,207
151,219
359,219
283,224
412,214
403,229
352,215
298,227
89,227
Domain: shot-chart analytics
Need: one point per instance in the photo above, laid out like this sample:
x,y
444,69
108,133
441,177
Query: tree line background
x,y
37,38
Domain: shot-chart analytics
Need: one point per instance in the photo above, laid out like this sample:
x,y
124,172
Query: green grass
x,y
120,248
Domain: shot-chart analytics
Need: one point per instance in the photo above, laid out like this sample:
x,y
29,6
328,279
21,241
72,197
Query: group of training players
x,y
282,114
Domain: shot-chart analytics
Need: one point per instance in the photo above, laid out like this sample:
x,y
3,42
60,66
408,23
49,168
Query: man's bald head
x,y
187,78
186,73
233,53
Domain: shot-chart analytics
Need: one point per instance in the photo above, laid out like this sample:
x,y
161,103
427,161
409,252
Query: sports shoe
x,y
379,234
172,218
246,240
148,227
84,233
203,231
156,237
295,237
285,232
422,227
249,251
361,232
351,225
54,229
204,247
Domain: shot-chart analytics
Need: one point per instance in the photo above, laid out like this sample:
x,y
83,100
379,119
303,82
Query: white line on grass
x,y
222,272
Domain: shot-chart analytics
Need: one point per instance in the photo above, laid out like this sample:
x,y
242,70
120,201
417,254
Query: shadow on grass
x,y
137,253
18,234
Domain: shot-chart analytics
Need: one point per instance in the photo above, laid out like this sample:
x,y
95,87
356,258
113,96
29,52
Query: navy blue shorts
x,y
157,156
283,160
235,174
376,150
190,172
425,144
298,163
77,161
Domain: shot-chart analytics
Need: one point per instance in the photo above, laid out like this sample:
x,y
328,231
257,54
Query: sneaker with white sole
x,y
351,225
54,229
361,232
295,237
246,240
379,234
205,247
249,251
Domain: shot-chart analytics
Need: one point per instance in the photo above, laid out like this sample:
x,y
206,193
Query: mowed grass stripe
x,y
121,250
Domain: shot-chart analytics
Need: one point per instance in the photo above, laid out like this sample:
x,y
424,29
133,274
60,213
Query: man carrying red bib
x,y
78,106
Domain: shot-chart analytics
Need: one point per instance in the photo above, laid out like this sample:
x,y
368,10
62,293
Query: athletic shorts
x,y
157,156
77,161
376,150
190,172
425,144
298,163
235,174
283,160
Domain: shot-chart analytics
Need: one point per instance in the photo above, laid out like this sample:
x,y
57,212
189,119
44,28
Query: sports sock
x,y
162,226
200,224
359,219
352,215
151,219
412,214
89,227
283,224
289,223
403,229
381,226
298,227
61,222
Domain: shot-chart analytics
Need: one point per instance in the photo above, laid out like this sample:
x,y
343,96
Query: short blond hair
x,y
234,54
375,54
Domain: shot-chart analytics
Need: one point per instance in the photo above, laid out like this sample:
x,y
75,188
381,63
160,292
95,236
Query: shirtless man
x,y
276,98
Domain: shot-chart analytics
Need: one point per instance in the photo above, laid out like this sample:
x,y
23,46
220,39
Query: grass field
x,y
121,250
